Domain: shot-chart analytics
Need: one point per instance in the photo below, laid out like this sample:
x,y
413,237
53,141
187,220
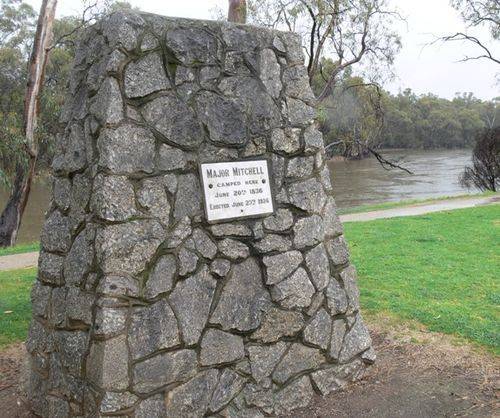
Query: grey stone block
x,y
280,266
307,195
171,158
145,76
308,231
220,267
152,407
298,359
192,398
163,369
191,300
127,248
179,125
113,198
127,149
337,249
297,395
356,341
278,323
243,299
300,167
204,244
229,385
318,331
219,347
153,199
152,328
161,277
107,364
57,233
50,268
113,402
335,378
280,221
233,249
273,242
188,198
319,267
336,297
263,359
294,292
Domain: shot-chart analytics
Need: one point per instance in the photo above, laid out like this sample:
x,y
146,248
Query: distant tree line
x,y
361,113
428,121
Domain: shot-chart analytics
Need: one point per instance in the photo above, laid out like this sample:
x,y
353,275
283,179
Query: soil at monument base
x,y
417,374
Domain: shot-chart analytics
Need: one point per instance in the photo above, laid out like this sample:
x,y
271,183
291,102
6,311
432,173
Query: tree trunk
x,y
237,11
10,220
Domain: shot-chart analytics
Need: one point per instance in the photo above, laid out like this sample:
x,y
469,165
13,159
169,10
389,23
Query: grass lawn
x,y
15,306
19,249
441,269
411,202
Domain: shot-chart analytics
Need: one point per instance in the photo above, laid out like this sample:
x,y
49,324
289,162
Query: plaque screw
x,y
263,180
210,186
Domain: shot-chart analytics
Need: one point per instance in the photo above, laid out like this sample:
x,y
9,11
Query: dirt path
x,y
432,377
421,208
19,261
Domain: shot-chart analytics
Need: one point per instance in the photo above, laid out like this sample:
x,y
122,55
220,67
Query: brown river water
x,y
355,183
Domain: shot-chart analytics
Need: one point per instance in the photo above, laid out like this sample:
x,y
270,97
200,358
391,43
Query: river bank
x,y
355,183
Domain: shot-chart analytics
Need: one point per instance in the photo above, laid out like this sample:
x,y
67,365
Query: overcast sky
x,y
431,68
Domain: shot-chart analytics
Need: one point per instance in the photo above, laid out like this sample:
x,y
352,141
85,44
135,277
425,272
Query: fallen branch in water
x,y
384,162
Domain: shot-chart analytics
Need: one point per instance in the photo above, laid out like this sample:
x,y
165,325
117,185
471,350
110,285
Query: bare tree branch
x,y
460,36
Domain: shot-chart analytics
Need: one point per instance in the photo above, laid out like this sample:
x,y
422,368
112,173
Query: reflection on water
x,y
355,183
435,173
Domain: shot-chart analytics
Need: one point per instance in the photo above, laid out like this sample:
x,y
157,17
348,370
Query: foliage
x,y
485,171
352,117
17,26
480,13
428,121
17,23
352,33
439,269
15,306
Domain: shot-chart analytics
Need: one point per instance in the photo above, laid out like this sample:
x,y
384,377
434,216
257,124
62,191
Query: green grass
x,y
15,306
442,270
19,249
402,203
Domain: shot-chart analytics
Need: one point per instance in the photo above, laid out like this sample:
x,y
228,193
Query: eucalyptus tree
x,y
10,219
237,11
350,33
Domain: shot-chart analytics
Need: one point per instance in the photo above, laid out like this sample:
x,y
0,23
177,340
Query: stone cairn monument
x,y
192,260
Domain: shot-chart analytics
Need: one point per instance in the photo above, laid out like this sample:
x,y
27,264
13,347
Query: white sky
x,y
424,69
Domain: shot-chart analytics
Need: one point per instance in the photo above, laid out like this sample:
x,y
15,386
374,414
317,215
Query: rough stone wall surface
x,y
143,309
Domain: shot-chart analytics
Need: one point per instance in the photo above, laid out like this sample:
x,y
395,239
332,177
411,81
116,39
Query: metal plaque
x,y
236,189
